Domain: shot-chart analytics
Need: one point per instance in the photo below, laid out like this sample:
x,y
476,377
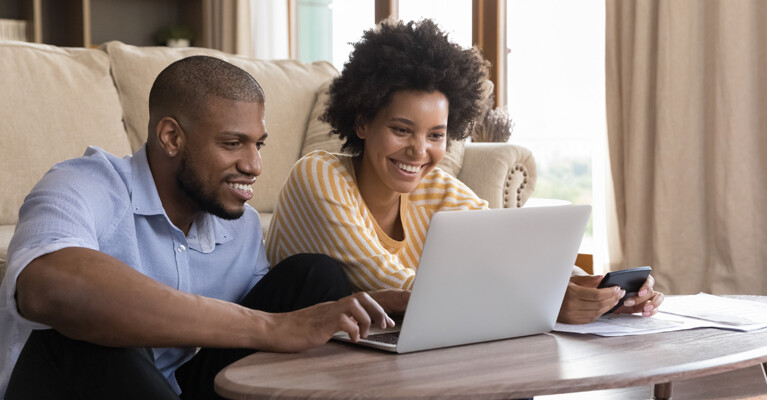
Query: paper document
x,y
679,313
632,324
724,310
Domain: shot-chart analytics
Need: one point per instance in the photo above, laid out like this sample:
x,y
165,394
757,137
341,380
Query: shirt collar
x,y
144,197
206,231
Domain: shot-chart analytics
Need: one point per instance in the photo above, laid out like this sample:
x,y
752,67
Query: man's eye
x,y
260,145
231,145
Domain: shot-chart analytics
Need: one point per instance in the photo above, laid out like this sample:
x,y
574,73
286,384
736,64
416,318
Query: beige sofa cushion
x,y
55,103
289,85
318,136
6,232
453,160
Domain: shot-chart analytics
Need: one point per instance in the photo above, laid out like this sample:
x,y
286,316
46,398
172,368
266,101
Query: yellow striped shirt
x,y
321,210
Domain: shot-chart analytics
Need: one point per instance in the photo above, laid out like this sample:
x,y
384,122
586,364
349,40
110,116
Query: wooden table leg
x,y
764,371
662,391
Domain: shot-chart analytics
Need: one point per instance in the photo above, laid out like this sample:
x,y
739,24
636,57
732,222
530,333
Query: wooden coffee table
x,y
513,368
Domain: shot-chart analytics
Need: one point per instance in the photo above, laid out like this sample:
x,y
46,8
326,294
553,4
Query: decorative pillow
x,y
318,136
55,103
453,159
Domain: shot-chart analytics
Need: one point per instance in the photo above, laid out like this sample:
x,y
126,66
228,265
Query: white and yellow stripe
x,y
320,210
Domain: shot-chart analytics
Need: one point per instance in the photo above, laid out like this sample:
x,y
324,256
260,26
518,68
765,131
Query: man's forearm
x,y
90,296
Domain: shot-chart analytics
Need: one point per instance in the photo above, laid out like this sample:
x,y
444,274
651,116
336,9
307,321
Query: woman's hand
x,y
646,302
584,303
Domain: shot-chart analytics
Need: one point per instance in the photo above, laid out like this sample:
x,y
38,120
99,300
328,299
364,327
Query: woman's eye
x,y
400,130
437,136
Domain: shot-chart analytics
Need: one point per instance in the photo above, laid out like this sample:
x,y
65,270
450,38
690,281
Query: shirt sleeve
x,y
63,210
319,211
440,191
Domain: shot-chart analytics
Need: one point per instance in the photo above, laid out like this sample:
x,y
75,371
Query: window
x,y
350,19
556,99
453,17
327,28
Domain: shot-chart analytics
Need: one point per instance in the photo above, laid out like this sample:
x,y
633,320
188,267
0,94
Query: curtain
x,y
687,131
227,26
269,21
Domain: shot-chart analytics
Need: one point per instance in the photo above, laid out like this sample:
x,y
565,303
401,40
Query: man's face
x,y
221,159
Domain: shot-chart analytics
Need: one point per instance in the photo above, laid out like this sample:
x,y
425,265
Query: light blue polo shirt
x,y
110,204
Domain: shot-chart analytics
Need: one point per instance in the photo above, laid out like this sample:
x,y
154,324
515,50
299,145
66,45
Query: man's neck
x,y
177,205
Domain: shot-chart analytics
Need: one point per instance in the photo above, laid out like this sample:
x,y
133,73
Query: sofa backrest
x,y
57,101
54,103
290,87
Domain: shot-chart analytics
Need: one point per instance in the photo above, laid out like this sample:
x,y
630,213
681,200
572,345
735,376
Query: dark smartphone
x,y
629,280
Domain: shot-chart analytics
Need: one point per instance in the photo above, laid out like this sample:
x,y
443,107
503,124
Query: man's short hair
x,y
184,87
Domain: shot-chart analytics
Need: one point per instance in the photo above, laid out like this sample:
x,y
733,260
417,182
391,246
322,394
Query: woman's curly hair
x,y
397,56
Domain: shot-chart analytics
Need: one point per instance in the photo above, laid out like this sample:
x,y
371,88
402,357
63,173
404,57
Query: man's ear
x,y
170,135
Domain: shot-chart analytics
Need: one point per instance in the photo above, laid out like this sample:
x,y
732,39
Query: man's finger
x,y
391,300
350,326
376,311
355,310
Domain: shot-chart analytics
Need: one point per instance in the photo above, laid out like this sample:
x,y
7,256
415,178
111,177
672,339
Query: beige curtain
x,y
227,26
687,129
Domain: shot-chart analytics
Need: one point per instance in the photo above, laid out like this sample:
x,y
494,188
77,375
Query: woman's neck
x,y
383,203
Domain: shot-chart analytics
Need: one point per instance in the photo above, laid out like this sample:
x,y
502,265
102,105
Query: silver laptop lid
x,y
491,274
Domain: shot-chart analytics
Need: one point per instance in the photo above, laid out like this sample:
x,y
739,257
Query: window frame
x,y
488,33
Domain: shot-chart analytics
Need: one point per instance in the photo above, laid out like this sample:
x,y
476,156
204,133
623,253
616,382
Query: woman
x,y
404,93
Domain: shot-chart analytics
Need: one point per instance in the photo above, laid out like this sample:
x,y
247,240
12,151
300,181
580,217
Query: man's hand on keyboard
x,y
393,301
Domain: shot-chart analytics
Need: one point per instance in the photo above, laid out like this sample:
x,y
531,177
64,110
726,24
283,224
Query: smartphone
x,y
630,280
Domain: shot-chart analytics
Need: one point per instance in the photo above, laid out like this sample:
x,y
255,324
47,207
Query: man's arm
x,y
115,305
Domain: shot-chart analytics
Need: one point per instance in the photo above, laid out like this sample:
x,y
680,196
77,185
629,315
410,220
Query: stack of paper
x,y
678,313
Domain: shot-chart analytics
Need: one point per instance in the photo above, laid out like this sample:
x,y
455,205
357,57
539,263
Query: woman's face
x,y
404,141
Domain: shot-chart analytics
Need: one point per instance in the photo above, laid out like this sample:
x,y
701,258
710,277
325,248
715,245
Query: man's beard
x,y
206,201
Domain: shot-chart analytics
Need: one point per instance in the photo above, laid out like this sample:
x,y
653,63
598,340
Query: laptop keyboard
x,y
388,337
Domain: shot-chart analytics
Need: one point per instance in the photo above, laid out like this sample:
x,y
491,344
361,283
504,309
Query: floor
x,y
748,383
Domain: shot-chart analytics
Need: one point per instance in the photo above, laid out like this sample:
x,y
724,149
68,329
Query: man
x,y
120,268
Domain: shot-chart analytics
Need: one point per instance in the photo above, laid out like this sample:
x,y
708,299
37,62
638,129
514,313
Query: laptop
x,y
487,275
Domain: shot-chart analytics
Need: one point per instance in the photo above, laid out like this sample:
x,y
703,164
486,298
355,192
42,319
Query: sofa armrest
x,y
502,173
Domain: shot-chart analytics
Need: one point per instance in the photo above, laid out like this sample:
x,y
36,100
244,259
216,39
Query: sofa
x,y
57,101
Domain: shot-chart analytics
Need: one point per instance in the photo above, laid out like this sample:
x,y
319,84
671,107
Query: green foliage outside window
x,y
567,179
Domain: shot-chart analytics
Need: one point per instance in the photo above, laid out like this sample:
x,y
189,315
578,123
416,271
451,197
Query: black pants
x,y
52,366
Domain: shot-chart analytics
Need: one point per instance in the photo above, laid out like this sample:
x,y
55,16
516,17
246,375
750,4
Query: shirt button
x,y
181,248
